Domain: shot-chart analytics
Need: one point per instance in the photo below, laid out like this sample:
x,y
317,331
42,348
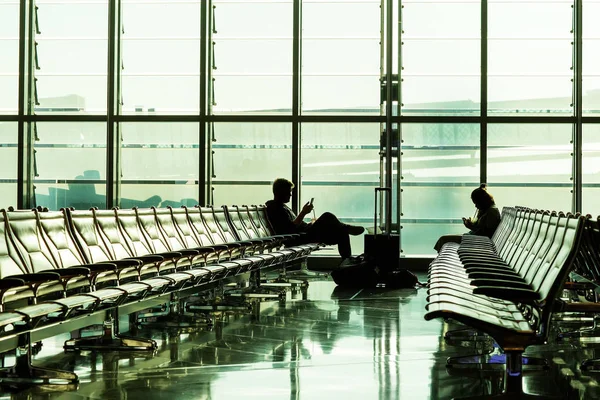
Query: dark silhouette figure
x,y
326,229
485,222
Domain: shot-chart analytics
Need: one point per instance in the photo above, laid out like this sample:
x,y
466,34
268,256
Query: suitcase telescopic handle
x,y
388,192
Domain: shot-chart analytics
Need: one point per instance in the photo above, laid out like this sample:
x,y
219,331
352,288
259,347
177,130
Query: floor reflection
x,y
339,344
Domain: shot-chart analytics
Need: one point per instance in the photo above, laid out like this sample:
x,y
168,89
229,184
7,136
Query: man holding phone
x,y
326,229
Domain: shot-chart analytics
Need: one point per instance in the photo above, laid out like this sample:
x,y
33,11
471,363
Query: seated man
x,y
326,229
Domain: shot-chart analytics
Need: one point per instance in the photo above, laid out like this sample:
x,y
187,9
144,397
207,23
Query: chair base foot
x,y
511,396
479,360
30,375
589,333
116,343
172,321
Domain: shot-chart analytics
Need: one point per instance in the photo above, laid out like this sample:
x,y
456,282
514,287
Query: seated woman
x,y
325,229
487,218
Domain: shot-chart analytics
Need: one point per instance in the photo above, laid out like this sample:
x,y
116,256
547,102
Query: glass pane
x,y
591,169
440,168
591,57
340,168
434,80
530,165
160,164
161,57
9,56
8,164
414,232
226,193
530,57
340,57
247,154
72,56
252,65
70,161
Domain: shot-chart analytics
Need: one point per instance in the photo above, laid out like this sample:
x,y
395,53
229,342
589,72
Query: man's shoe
x,y
355,230
350,261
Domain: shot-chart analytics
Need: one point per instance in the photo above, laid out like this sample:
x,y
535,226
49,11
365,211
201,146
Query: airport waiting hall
x,y
139,142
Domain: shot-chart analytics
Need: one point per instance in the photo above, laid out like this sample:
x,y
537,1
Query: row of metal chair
x,y
62,270
507,286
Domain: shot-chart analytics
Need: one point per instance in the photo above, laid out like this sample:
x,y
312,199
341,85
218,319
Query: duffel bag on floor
x,y
359,274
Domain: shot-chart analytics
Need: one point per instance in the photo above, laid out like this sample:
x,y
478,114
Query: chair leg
x,y
173,316
585,332
496,357
23,374
513,381
467,337
109,340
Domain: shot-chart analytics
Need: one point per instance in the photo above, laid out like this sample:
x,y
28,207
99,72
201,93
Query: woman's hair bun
x,y
483,186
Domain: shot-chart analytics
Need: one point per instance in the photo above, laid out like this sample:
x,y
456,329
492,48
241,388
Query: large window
x,y
531,165
530,57
72,56
591,169
248,157
160,164
441,57
340,56
440,168
161,57
164,139
252,56
8,164
591,57
70,164
9,56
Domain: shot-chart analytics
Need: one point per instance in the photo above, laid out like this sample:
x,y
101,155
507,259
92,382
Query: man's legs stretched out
x,y
328,229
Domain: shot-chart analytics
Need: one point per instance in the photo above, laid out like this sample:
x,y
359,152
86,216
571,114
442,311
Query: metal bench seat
x,y
516,314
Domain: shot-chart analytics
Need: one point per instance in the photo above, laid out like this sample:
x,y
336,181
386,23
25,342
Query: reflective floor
x,y
371,344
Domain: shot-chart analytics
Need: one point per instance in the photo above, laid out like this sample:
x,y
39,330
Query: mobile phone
x,y
311,200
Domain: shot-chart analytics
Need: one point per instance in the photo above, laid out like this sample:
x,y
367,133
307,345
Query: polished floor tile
x,y
338,344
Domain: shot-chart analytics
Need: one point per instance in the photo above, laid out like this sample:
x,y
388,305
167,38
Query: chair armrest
x,y
579,285
73,271
188,252
204,249
487,274
38,277
149,258
9,283
102,267
500,282
492,262
488,268
169,255
220,247
126,262
508,293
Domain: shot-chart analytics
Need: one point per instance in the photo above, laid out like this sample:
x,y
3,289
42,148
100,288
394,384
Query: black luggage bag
x,y
359,275
383,250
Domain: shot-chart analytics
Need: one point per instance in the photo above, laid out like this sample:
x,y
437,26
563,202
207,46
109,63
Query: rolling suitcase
x,y
382,250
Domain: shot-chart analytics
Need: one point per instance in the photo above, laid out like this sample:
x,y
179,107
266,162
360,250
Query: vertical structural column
x,y
113,137
483,127
398,138
389,109
296,103
25,159
578,106
209,173
204,143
